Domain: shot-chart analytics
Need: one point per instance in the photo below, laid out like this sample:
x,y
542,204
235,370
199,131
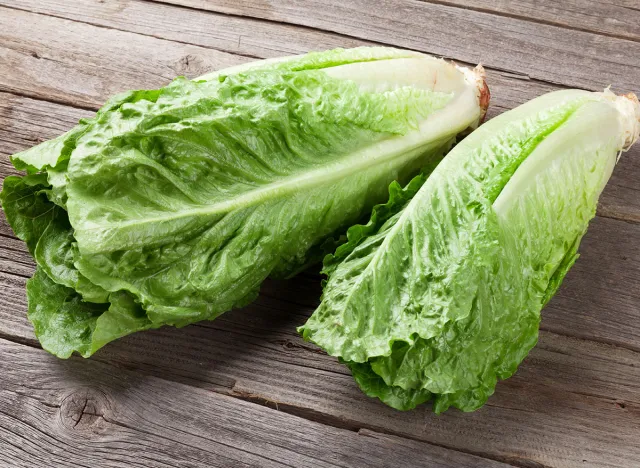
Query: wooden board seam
x,y
365,429
298,412
14,274
511,461
98,25
529,19
333,33
507,73
603,341
61,102
32,343
258,19
377,42
612,213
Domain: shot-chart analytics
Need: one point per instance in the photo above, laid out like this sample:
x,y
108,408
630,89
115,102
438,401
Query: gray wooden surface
x,y
245,390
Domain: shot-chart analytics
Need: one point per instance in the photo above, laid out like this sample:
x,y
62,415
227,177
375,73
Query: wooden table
x,y
245,389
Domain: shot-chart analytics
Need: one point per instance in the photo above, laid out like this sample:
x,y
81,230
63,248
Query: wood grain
x,y
14,258
241,36
208,30
601,295
41,57
540,51
78,66
245,390
572,403
27,122
87,413
571,400
612,18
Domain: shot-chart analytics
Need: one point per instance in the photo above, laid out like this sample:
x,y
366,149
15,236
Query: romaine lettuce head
x,y
440,294
173,205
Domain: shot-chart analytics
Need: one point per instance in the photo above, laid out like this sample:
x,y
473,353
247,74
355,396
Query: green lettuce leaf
x,y
440,296
27,208
184,199
64,323
45,228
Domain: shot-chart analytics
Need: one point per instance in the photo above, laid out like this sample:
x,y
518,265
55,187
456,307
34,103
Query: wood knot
x,y
83,408
190,65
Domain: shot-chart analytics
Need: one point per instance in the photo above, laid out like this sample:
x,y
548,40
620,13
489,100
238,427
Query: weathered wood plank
x,y
573,400
541,51
601,295
40,56
572,403
74,75
87,413
577,400
27,122
241,36
13,308
602,17
14,258
208,30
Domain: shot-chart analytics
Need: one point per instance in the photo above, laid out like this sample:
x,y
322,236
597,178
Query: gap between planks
x,y
36,97
293,408
528,19
511,73
102,26
290,409
508,73
281,12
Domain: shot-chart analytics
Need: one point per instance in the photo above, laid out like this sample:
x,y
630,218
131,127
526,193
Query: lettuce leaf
x,y
439,296
64,322
171,206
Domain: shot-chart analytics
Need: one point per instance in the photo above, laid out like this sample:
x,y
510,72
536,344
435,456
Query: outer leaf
x,y
56,254
444,298
189,202
184,199
26,207
192,208
64,323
